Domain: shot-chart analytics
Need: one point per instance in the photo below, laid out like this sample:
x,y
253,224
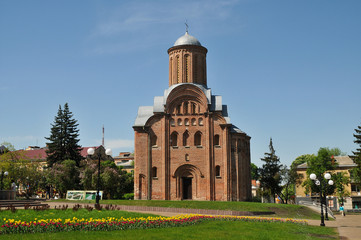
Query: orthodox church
x,y
185,144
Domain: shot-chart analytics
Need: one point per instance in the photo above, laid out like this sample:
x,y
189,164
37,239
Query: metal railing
x,y
317,206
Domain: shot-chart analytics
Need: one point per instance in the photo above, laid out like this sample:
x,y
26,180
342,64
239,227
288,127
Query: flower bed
x,y
11,226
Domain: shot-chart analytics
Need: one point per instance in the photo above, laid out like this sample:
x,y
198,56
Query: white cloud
x,y
140,24
133,16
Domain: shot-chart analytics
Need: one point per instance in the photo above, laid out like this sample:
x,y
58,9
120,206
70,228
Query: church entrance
x,y
187,188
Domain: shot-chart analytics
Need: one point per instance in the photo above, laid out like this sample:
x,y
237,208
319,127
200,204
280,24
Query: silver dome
x,y
187,39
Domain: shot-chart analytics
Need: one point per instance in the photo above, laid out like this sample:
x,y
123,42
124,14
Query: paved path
x,y
349,227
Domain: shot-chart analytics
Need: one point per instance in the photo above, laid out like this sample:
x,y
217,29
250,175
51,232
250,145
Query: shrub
x,y
128,196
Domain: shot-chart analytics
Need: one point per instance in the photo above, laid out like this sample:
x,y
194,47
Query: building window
x,y
194,122
355,188
185,138
153,140
154,172
195,69
194,108
178,111
187,157
200,121
218,171
172,122
186,122
178,75
174,139
179,122
187,63
198,139
185,108
216,140
171,69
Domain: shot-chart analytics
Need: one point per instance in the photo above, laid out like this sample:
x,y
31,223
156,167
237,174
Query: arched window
x,y
218,171
198,139
216,140
185,138
171,69
185,108
174,139
186,122
172,122
200,121
179,122
178,111
178,75
154,172
194,122
187,67
153,140
194,108
195,69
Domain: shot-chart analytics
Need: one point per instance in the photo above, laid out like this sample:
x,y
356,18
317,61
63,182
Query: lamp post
x,y
2,178
91,152
321,184
330,183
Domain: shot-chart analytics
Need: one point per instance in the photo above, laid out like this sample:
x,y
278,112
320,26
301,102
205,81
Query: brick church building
x,y
185,144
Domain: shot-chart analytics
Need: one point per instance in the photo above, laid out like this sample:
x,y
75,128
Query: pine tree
x,y
356,172
270,179
63,138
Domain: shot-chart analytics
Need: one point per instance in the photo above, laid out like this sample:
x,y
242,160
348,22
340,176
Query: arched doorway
x,y
187,188
187,182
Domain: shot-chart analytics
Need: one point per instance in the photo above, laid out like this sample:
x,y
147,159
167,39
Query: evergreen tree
x,y
270,173
63,138
356,172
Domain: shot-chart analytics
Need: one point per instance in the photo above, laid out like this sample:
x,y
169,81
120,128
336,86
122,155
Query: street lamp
x,y
91,152
321,184
2,178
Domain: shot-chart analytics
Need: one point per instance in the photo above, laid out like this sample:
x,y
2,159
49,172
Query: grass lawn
x,y
281,210
206,230
30,215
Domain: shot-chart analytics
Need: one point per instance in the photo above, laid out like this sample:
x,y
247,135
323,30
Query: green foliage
x,y
319,165
289,179
64,176
356,172
254,172
23,171
341,179
302,159
114,181
270,176
63,140
8,146
128,196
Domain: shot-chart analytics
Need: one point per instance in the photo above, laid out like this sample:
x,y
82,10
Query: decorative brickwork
x,y
185,145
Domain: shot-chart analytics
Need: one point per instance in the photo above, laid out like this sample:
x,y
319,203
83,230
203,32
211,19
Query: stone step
x,y
20,203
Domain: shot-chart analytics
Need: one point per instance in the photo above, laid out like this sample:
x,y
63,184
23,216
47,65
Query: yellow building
x,y
345,163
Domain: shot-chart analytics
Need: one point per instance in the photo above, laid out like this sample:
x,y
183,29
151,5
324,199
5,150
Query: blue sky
x,y
290,70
